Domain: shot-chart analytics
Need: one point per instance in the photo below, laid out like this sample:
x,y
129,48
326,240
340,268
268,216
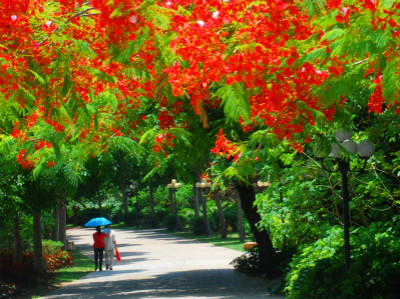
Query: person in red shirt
x,y
98,245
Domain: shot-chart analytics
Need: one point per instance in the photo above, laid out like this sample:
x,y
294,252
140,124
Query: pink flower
x,y
14,18
133,19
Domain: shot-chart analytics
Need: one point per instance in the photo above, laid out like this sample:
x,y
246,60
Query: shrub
x,y
318,270
115,216
130,218
231,219
151,221
198,227
170,222
85,215
7,290
21,274
253,264
17,277
51,247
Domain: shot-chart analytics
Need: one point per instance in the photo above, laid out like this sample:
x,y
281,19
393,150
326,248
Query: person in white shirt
x,y
109,244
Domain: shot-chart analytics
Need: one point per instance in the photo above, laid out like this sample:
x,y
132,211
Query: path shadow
x,y
212,283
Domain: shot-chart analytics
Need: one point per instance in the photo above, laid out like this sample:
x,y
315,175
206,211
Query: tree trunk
x,y
171,200
57,221
240,220
196,200
205,216
62,220
222,224
151,198
247,198
17,240
100,201
38,263
124,199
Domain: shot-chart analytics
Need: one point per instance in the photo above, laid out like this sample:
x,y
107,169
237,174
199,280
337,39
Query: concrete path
x,y
157,265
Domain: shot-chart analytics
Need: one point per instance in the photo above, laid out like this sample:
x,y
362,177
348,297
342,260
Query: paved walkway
x,y
156,265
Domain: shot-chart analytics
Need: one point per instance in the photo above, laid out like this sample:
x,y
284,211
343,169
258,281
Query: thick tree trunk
x,y
17,240
205,216
240,220
124,199
196,200
171,201
56,234
38,263
247,198
62,220
151,198
222,224
100,201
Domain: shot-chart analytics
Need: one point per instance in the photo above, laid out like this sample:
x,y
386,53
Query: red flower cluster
x,y
162,142
376,100
23,160
223,147
42,144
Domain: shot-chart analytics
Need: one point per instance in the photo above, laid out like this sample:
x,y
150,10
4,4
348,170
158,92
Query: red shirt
x,y
98,240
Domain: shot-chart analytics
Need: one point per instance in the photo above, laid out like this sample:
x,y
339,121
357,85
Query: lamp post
x,y
172,187
365,149
202,185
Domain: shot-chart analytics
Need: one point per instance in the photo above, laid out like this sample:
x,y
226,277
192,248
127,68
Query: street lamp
x,y
202,185
172,187
365,149
263,184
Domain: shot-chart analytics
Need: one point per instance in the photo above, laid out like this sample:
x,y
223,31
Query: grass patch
x,y
82,265
232,241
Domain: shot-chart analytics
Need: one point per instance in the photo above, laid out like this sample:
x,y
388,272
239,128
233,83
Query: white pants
x,y
109,257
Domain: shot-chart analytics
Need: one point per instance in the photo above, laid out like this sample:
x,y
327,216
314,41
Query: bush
x,y
54,257
130,218
318,270
85,215
7,290
115,216
231,219
151,221
198,227
170,222
270,266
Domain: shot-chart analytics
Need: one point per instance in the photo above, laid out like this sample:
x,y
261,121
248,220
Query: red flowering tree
x,y
75,75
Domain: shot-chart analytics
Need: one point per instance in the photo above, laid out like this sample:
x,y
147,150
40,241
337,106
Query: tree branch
x,y
83,12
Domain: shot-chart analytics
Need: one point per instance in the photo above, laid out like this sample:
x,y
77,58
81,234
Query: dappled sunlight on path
x,y
157,265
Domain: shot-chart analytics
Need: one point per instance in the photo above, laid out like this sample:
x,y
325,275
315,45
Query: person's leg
x,y
101,259
111,255
106,252
96,258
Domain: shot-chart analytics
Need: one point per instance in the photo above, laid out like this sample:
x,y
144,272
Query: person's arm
x,y
114,241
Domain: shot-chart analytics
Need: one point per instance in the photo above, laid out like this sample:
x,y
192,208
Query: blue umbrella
x,y
98,222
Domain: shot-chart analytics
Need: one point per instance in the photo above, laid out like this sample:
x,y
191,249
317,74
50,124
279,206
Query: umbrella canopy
x,y
98,222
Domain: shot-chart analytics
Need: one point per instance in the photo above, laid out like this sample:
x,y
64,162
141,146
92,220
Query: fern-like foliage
x,y
133,48
235,101
390,81
125,144
313,7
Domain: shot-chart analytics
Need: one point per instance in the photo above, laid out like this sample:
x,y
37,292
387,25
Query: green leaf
x,y
390,82
117,12
38,77
84,48
235,101
103,76
66,85
313,7
333,34
133,47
